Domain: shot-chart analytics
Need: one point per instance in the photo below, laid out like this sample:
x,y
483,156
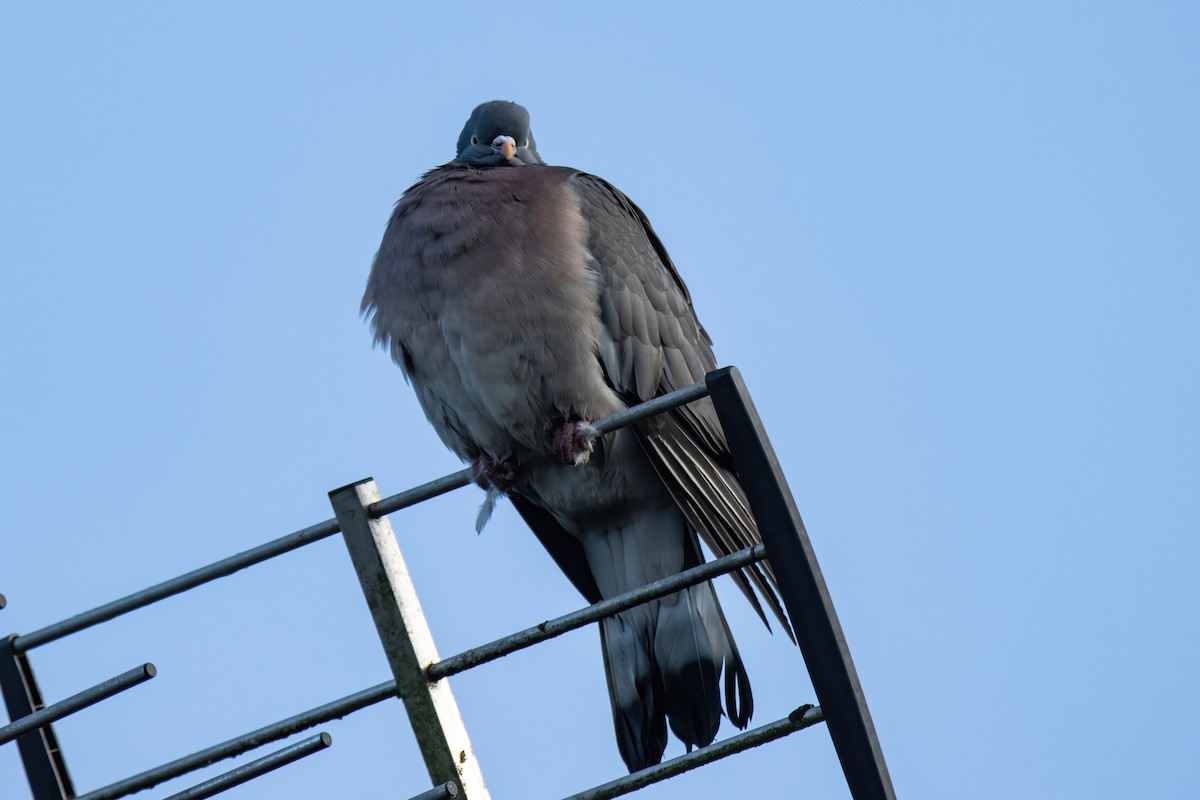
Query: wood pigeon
x,y
523,301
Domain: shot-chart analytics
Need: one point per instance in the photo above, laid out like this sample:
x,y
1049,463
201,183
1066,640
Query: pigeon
x,y
522,301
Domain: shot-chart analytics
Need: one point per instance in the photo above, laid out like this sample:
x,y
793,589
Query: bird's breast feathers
x,y
482,291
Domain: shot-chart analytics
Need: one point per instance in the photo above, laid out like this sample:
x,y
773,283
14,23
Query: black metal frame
x,y
43,759
803,589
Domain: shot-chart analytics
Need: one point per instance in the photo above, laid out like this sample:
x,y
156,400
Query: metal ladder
x,y
421,677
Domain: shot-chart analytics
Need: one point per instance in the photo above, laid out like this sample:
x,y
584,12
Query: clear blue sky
x,y
954,251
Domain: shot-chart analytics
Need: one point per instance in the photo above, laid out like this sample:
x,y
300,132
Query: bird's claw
x,y
489,474
574,442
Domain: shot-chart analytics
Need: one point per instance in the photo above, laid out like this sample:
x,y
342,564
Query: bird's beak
x,y
505,146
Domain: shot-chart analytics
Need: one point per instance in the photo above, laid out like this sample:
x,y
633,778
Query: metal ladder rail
x,y
420,675
857,746
452,665
41,756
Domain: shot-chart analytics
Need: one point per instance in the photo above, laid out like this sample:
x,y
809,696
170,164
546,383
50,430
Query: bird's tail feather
x,y
634,687
665,660
739,700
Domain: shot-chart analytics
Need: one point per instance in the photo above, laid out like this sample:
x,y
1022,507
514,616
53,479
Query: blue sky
x,y
953,250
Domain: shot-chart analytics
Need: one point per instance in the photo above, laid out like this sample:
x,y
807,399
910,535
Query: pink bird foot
x,y
489,474
574,441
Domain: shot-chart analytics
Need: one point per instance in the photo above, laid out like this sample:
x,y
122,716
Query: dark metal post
x,y
406,639
803,590
40,753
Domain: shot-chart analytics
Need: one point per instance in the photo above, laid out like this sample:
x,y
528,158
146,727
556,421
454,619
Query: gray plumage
x,y
523,303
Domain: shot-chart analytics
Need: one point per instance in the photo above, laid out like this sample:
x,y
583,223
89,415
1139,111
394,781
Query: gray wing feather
x,y
651,343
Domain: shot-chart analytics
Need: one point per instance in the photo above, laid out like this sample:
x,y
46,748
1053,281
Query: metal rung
x,y
457,480
447,791
246,772
161,591
313,533
449,666
597,611
803,717
75,702
246,742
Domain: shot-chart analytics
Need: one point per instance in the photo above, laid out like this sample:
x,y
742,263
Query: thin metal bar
x,y
657,405
246,742
456,480
605,608
802,587
406,639
75,702
255,768
447,791
42,758
218,569
803,717
417,494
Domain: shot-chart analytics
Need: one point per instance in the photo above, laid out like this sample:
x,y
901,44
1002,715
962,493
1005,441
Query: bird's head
x,y
496,134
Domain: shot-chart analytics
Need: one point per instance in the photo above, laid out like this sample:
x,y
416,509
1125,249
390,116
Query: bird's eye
x,y
526,143
474,139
